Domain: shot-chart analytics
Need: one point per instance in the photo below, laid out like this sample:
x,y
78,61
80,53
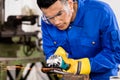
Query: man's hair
x,y
47,3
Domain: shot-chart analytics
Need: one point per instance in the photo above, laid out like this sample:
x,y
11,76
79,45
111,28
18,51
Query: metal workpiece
x,y
75,77
65,75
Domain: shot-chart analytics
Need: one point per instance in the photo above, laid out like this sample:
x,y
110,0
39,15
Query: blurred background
x,y
116,8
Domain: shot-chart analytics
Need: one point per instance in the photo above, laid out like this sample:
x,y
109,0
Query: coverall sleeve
x,y
48,43
109,57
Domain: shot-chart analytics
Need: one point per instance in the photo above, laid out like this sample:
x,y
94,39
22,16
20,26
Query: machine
x,y
11,31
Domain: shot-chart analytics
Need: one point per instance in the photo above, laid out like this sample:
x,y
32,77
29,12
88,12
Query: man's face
x,y
59,14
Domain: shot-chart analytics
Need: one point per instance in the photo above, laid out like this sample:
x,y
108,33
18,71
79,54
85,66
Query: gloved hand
x,y
80,66
56,61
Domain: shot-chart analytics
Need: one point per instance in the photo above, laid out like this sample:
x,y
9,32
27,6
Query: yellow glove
x,y
80,66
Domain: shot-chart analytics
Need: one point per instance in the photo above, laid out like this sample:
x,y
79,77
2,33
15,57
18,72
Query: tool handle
x,y
64,65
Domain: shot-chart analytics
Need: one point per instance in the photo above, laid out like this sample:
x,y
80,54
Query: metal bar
x,y
24,78
9,75
3,75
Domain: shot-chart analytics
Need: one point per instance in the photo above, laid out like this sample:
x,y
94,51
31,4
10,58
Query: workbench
x,y
4,62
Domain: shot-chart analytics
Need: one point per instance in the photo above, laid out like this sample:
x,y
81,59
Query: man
x,y
84,34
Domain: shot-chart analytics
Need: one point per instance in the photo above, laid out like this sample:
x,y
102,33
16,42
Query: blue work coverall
x,y
94,34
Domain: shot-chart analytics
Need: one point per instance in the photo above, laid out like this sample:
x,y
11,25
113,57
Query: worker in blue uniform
x,y
84,33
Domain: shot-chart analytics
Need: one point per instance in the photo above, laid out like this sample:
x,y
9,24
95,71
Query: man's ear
x,y
70,2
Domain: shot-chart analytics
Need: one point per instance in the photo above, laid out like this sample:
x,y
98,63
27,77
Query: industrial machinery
x,y
11,30
13,37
